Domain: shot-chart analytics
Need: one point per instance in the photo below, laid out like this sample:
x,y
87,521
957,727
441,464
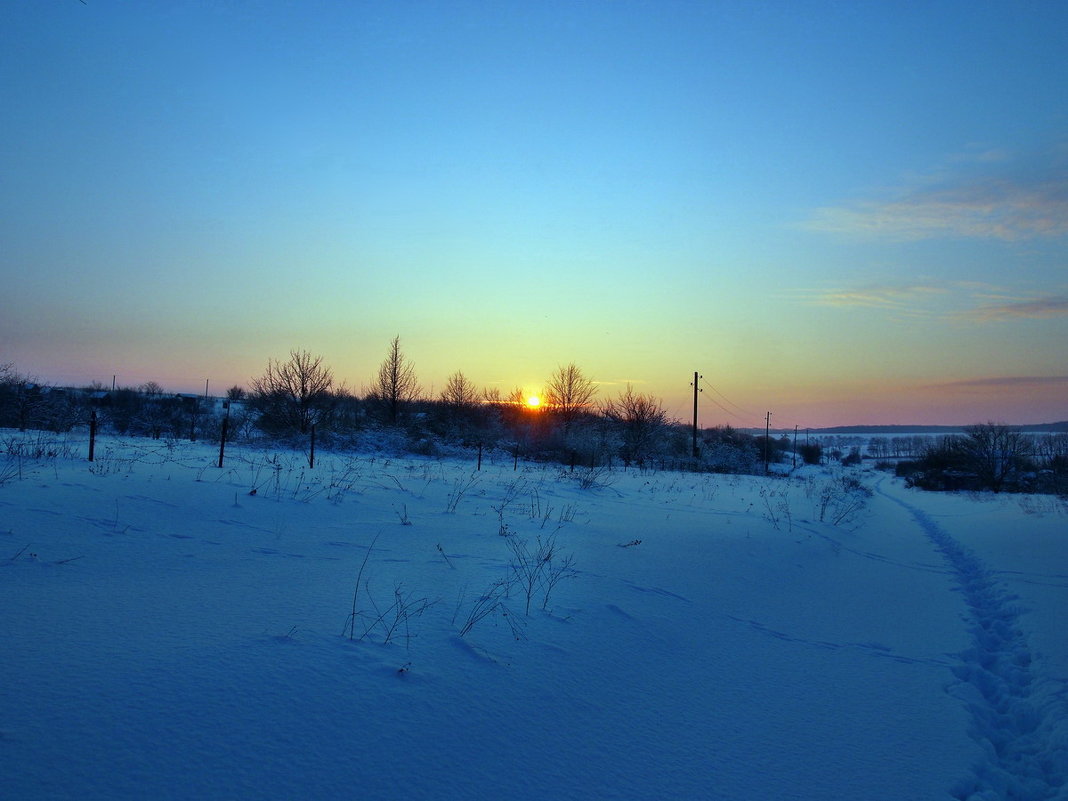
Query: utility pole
x,y
767,441
696,389
206,380
795,447
222,437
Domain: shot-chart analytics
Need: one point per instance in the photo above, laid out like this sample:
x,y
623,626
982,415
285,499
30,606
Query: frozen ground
x,y
167,634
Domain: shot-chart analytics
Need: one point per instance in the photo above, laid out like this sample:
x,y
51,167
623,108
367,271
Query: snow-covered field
x,y
167,633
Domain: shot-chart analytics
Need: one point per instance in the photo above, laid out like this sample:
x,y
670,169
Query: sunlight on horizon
x,y
510,187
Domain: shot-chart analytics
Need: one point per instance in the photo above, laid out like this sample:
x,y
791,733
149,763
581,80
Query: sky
x,y
839,213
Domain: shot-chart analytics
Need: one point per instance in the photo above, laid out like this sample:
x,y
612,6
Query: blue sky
x,y
839,212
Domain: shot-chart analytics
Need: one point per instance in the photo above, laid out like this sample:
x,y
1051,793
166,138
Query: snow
x,y
167,634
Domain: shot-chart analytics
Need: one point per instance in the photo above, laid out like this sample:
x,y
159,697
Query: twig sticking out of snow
x,y
445,556
350,623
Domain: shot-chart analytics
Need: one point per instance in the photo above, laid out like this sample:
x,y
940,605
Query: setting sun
x,y
533,402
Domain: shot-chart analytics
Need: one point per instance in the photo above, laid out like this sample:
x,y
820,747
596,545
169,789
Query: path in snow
x,y
1016,720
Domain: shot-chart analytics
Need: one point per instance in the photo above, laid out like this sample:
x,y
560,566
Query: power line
x,y
748,417
723,408
728,400
748,414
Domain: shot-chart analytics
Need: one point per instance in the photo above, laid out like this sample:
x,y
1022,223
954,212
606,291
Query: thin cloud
x,y
1016,382
611,383
1009,206
974,301
980,154
895,297
1037,309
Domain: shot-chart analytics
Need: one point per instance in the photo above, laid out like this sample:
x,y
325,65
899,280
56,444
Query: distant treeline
x,y
297,399
991,457
897,430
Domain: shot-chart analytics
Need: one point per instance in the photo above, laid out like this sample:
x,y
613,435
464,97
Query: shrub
x,y
811,453
852,459
841,499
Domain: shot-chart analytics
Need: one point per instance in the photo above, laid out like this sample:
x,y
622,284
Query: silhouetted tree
x,y
811,453
23,402
120,409
157,414
993,452
295,394
458,404
508,413
640,420
396,384
568,394
460,394
151,388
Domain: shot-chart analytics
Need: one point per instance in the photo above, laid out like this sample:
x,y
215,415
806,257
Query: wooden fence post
x,y
222,438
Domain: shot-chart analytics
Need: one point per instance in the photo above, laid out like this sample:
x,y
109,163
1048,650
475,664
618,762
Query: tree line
x,y
991,456
295,395
572,425
570,422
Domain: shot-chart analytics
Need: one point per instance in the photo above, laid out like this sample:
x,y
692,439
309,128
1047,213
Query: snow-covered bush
x,y
592,477
840,499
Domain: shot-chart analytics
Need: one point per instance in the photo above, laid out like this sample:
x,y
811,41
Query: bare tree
x,y
151,388
460,394
994,451
396,383
641,420
1052,450
8,391
517,398
294,394
568,393
23,401
459,405
155,414
503,410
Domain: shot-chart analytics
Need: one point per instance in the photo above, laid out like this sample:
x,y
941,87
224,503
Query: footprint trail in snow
x,y
1018,717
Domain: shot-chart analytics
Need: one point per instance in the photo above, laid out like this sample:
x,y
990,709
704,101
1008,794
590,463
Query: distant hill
x,y
1061,427
1053,428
